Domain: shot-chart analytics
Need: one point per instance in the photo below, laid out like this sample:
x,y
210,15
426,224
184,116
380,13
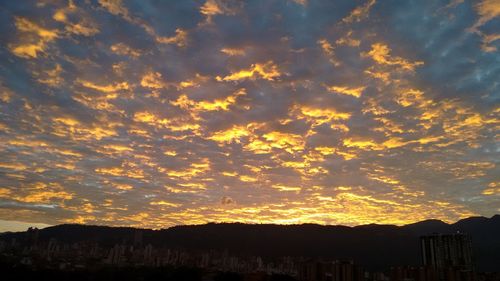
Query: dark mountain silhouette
x,y
376,247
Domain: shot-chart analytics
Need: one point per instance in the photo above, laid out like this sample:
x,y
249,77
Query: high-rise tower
x,y
447,253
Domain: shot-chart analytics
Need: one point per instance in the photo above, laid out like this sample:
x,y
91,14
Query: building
x,y
450,255
317,270
412,273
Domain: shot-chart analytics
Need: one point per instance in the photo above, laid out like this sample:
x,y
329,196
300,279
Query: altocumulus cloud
x,y
152,114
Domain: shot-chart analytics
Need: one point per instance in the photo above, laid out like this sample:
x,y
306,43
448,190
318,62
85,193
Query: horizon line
x,y
27,225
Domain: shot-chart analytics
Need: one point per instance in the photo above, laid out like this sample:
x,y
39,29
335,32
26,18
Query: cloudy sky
x,y
159,113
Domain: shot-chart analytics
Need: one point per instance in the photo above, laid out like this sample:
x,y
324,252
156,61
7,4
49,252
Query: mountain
x,y
376,247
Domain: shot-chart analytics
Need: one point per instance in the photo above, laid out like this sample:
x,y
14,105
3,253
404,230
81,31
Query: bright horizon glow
x,y
14,226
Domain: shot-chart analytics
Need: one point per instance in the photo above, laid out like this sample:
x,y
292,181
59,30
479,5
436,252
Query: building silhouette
x,y
318,270
450,255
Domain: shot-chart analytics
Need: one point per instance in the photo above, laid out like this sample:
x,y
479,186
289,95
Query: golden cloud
x,y
34,38
359,13
380,53
267,71
231,135
355,92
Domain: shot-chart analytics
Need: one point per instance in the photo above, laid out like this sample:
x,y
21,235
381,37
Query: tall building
x,y
448,253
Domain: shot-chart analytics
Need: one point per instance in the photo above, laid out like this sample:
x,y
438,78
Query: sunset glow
x,y
160,113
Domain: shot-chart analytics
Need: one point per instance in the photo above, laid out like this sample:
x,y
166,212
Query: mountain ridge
x,y
497,216
372,245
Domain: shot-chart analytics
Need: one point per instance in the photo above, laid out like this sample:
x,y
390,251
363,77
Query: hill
x,y
374,246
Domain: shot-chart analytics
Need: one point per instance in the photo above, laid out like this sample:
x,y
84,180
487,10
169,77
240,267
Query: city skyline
x,y
464,248
155,114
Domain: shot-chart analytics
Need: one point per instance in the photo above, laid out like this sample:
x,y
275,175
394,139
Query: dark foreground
x,y
21,273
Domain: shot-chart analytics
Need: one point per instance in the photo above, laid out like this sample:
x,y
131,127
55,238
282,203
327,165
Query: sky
x,y
161,113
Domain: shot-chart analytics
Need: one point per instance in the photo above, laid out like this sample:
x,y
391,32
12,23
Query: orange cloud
x,y
359,13
231,135
180,38
105,88
267,71
34,38
219,104
380,53
212,8
355,92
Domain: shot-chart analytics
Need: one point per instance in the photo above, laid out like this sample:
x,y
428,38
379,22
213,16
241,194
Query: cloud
x,y
212,8
355,92
179,39
267,71
360,12
116,7
233,51
219,104
84,26
148,114
34,38
231,135
105,88
487,10
380,53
